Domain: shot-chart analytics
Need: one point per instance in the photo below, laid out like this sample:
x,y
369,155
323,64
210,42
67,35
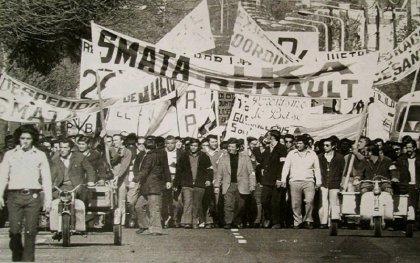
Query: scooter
x,y
67,215
376,206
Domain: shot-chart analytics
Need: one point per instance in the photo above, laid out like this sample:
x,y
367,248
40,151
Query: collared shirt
x,y
329,156
22,170
171,161
272,146
412,170
66,161
214,158
302,166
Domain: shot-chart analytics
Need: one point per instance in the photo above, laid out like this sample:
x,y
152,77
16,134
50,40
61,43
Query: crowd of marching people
x,y
275,181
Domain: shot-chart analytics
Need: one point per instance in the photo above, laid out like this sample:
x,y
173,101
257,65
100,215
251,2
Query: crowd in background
x,y
275,181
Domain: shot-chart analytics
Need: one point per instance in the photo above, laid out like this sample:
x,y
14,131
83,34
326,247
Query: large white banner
x,y
345,78
250,42
191,35
21,102
253,115
400,62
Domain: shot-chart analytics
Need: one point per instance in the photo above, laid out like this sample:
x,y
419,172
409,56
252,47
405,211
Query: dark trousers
x,y
23,210
149,209
171,206
235,205
273,202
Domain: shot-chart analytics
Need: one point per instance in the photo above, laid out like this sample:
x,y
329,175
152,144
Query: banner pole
x,y
102,117
216,109
410,100
359,134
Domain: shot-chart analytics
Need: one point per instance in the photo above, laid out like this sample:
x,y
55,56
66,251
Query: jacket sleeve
x,y
317,170
125,163
89,171
209,168
286,168
4,173
166,172
46,178
251,172
145,168
219,174
136,165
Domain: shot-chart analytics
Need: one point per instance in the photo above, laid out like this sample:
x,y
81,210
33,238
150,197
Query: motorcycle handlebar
x,y
68,191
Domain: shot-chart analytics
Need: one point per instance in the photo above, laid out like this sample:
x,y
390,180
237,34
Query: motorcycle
x,y
68,214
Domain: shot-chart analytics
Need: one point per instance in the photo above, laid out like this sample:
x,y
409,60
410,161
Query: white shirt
x,y
301,166
66,161
23,169
412,170
172,161
329,156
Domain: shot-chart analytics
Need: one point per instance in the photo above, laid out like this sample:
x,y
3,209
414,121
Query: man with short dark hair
x,y
152,177
236,177
273,197
25,172
302,169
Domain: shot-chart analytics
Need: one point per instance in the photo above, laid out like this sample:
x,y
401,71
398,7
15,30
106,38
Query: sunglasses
x,y
25,138
289,141
327,145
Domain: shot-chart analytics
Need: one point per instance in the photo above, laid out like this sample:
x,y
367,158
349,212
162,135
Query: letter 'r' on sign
x,y
190,96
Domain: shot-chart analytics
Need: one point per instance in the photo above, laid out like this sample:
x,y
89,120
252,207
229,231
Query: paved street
x,y
220,245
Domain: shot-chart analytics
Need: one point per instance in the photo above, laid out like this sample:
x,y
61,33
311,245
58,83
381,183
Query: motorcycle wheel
x,y
118,235
65,221
409,229
333,228
377,226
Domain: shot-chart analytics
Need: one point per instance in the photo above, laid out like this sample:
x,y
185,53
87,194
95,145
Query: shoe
x,y
157,234
256,225
146,232
266,224
323,226
276,226
195,226
309,225
202,225
140,231
132,223
57,236
228,226
209,226
177,225
187,226
389,228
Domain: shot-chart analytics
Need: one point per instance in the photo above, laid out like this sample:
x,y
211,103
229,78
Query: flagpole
x,y
413,88
216,109
101,112
176,111
359,134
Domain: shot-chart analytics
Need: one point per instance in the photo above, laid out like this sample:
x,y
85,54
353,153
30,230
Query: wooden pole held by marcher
x,y
101,112
359,134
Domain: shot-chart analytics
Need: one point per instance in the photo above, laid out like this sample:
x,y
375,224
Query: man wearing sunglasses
x,y
331,165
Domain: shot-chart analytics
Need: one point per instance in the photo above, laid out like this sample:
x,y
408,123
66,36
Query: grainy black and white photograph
x,y
210,131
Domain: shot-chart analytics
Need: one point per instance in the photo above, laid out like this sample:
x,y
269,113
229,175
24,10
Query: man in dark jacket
x,y
94,157
331,164
69,169
152,177
408,166
195,175
273,197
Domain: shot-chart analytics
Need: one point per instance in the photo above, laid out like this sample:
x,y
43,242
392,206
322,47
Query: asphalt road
x,y
219,245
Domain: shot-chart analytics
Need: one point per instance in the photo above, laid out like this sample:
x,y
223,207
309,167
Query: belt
x,y
25,191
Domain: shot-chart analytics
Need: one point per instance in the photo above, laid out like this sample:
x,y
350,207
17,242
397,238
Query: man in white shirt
x,y
22,169
302,169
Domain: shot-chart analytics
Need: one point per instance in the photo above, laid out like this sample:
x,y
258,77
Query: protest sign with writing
x,y
225,106
346,78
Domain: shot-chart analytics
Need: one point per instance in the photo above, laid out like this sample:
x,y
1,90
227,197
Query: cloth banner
x,y
83,124
250,42
400,62
192,35
21,102
345,78
380,116
253,115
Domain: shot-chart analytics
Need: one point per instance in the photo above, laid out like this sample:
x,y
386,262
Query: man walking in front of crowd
x,y
26,172
302,169
409,175
332,166
152,177
196,174
273,197
211,200
172,203
236,177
